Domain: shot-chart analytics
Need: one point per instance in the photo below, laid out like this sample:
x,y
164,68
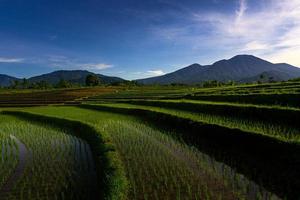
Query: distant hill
x,y
6,80
73,76
240,67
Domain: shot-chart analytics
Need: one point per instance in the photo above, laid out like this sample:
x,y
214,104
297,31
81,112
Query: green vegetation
x,y
92,80
51,164
247,123
283,123
156,164
8,157
20,98
113,184
152,142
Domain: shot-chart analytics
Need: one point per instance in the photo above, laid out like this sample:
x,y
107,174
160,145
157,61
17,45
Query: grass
x,y
57,165
288,100
8,157
110,173
255,155
283,121
16,98
280,94
279,131
157,166
226,142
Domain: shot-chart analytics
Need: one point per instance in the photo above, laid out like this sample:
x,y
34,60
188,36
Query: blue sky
x,y
135,39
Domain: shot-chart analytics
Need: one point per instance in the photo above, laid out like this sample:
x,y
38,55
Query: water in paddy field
x,y
58,167
237,182
229,170
167,168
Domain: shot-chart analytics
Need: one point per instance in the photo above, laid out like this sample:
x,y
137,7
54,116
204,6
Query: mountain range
x,y
6,80
73,76
241,68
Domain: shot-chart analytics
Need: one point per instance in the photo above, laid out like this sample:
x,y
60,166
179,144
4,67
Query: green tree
x,y
43,85
92,80
25,83
63,84
15,84
212,83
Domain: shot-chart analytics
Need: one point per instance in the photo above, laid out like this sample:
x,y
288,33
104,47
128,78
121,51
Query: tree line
x,y
90,81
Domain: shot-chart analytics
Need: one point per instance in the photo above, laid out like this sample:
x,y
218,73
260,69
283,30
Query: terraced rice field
x,y
44,163
28,98
155,142
160,167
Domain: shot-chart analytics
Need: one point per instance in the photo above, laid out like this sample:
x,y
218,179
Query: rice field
x,y
44,163
151,142
160,167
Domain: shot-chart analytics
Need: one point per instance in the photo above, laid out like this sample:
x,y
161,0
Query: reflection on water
x,y
241,185
46,163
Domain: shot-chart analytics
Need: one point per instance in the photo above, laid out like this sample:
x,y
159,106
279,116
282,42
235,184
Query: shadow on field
x,y
107,173
262,99
270,163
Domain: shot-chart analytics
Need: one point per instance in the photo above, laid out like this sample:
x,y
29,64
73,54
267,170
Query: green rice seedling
x,y
48,164
279,131
155,163
8,157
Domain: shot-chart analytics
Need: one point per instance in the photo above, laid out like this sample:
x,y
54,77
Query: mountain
x,y
74,76
238,68
267,77
6,80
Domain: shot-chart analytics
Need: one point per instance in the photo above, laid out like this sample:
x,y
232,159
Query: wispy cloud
x,y
60,61
11,60
270,30
242,9
145,74
158,72
96,66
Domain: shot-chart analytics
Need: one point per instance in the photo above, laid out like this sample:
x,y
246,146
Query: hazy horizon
x,y
134,39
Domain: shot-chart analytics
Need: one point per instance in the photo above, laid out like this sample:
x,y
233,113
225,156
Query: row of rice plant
x,y
280,131
268,88
175,170
58,165
160,167
8,157
286,100
280,94
16,98
284,118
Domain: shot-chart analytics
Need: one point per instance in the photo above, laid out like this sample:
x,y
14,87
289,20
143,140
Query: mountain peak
x,y
243,56
242,60
195,64
236,68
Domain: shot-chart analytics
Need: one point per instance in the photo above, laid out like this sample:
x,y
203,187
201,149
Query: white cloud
x,y
58,58
242,9
11,60
255,45
272,31
269,29
289,55
145,74
156,72
72,63
96,66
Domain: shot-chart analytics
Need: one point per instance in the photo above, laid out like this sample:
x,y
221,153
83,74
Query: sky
x,y
135,39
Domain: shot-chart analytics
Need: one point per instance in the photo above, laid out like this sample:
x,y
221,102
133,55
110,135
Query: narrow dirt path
x,y
19,170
